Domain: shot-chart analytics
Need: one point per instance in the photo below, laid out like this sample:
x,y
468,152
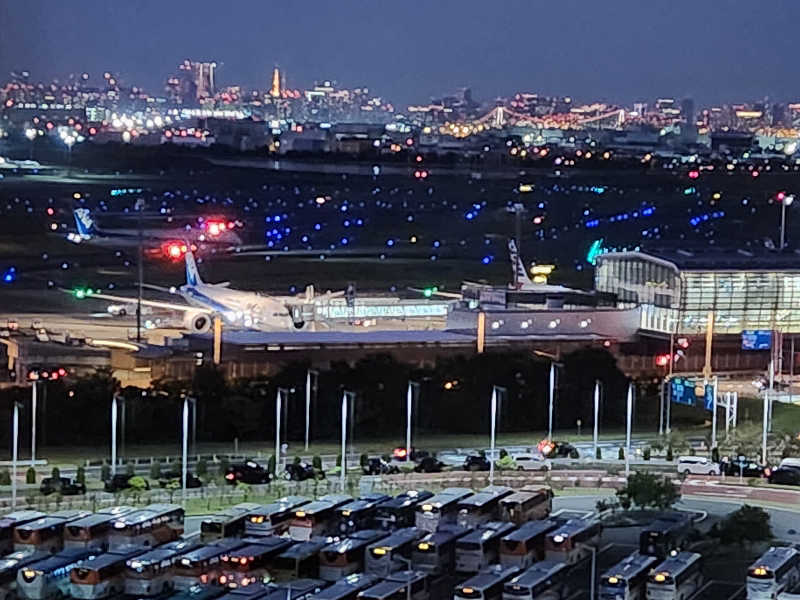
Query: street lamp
x,y
496,390
786,200
31,134
279,398
413,387
312,383
14,454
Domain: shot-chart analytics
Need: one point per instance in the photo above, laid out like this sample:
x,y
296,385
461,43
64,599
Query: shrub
x,y
316,462
339,461
105,471
202,468
129,470
5,477
137,483
30,475
297,460
55,473
670,456
646,453
503,453
80,475
271,465
506,463
155,470
223,465
621,454
715,454
363,460
598,454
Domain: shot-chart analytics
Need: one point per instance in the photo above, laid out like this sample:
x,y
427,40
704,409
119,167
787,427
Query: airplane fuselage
x,y
238,308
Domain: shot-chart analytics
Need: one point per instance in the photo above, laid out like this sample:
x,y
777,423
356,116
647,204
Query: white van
x,y
697,465
791,462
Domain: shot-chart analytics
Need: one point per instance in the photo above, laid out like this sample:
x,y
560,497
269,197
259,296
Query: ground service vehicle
x,y
49,578
153,525
46,533
12,520
547,580
102,576
249,564
669,532
227,523
525,545
378,466
570,541
347,588
482,507
775,571
62,485
11,564
400,510
741,466
93,531
249,472
274,517
627,580
676,578
402,585
486,585
435,553
697,465
358,513
440,509
382,556
202,565
299,560
341,558
149,573
480,547
316,518
527,504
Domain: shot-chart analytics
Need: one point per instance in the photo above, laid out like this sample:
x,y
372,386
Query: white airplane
x,y
520,275
237,308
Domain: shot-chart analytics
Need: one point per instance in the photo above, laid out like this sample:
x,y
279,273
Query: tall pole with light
x,y
185,447
114,434
31,134
413,388
312,379
785,200
346,397
596,415
14,454
551,397
279,398
34,410
628,422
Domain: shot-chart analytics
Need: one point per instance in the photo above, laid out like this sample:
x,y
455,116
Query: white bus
x,y
316,518
440,509
482,507
202,565
527,504
545,580
227,523
486,585
392,553
627,580
101,577
274,517
155,524
251,563
49,578
149,574
93,531
46,533
481,547
12,520
776,571
11,564
677,578
571,541
525,545
344,557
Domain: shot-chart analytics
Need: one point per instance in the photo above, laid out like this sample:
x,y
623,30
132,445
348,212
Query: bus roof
x,y
320,505
346,586
631,565
489,576
669,522
362,504
251,592
529,530
304,549
167,551
62,559
20,516
116,510
200,592
678,563
488,495
398,537
69,514
524,494
444,535
92,520
572,526
282,505
267,545
42,523
537,572
775,557
17,560
408,498
487,531
303,585
111,558
211,550
357,539
446,496
383,589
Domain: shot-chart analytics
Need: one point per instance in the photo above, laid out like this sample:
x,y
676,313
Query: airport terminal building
x,y
676,288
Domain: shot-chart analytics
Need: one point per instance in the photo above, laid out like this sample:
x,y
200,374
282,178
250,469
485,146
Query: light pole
x,y
14,454
552,397
346,396
596,414
786,200
312,380
278,412
34,410
185,448
413,387
113,434
31,134
629,413
492,435
714,413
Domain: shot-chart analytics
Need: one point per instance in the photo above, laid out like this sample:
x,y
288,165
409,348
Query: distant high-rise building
x,y
687,110
198,80
275,89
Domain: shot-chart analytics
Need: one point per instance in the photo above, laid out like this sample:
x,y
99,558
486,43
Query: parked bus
x,y
340,559
94,530
199,592
274,517
252,592
11,564
482,507
435,553
12,520
102,576
676,578
480,547
545,580
299,560
667,533
153,525
570,541
525,545
392,553
776,571
347,588
149,574
440,509
316,518
486,585
202,565
527,504
358,514
297,589
227,523
402,585
46,533
49,578
400,510
627,580
250,563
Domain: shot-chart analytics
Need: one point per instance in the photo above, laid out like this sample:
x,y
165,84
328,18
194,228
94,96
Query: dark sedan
x,y
785,475
249,472
61,485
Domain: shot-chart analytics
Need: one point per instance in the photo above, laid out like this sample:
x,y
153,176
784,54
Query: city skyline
x,y
592,52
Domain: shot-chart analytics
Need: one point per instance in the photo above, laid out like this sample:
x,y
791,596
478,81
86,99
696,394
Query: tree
x,y
30,475
744,526
621,454
155,470
5,477
271,465
80,475
55,473
645,489
138,483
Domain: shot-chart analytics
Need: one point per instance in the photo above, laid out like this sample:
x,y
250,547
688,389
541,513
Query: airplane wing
x,y
129,300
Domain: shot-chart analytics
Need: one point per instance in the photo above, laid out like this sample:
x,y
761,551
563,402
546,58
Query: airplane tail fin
x,y
517,267
192,274
84,222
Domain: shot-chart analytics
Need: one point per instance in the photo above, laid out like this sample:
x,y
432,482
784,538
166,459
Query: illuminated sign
x,y
595,250
756,339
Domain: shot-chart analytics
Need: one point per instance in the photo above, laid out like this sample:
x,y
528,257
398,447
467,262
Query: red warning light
x,y
662,360
214,228
694,174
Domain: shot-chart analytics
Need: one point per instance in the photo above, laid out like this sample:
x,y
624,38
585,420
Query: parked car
x,y
429,464
532,462
399,453
378,466
786,475
249,472
550,449
697,465
120,482
476,462
172,475
61,485
743,466
302,471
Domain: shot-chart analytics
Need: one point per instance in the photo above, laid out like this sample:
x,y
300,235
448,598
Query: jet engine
x,y
197,322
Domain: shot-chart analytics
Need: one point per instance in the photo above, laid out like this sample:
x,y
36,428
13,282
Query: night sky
x,y
623,50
